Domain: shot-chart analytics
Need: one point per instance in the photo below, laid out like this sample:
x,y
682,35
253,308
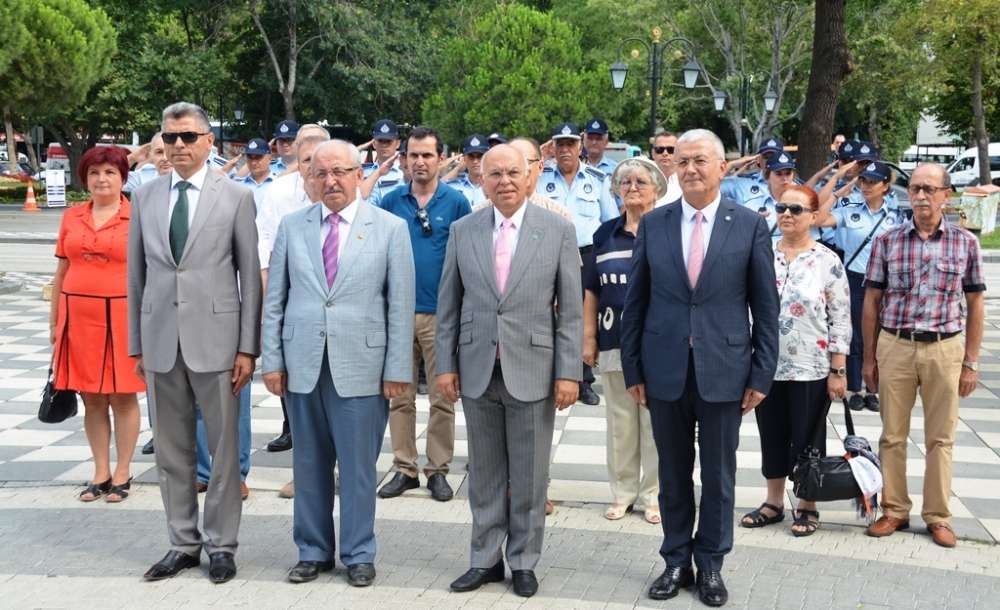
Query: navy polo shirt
x,y
445,207
608,279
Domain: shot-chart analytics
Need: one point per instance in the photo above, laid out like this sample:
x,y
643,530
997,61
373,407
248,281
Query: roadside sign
x,y
55,188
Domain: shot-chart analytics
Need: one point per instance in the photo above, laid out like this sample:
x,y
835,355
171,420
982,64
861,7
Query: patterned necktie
x,y
179,222
696,250
331,245
503,253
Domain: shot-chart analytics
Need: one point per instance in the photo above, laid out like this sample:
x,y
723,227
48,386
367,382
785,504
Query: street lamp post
x,y
770,103
654,49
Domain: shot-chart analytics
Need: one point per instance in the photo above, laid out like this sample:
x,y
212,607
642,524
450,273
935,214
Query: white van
x,y
964,171
915,155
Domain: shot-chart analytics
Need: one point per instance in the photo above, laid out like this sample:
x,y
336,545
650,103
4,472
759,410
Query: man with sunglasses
x,y
924,286
194,296
429,208
662,153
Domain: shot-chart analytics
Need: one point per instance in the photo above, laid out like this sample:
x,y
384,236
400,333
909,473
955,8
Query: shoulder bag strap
x,y
847,418
867,239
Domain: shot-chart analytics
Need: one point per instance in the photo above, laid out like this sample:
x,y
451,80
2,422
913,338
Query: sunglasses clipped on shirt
x,y
425,221
794,208
663,149
188,137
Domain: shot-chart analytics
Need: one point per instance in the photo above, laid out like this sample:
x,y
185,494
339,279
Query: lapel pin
x,y
728,218
360,236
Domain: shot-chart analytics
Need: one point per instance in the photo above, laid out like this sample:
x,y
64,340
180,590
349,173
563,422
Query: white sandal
x,y
617,511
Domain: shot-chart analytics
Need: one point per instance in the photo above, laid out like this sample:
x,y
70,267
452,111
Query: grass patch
x,y
991,241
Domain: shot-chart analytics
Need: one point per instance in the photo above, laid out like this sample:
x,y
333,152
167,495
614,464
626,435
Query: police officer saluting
x,y
856,226
284,140
258,159
596,142
383,174
748,172
467,177
586,192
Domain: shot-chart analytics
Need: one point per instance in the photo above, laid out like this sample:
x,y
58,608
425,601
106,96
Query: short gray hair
x,y
336,144
313,127
635,165
180,110
698,135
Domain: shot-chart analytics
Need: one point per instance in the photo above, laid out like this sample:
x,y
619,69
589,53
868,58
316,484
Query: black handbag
x,y
824,479
57,405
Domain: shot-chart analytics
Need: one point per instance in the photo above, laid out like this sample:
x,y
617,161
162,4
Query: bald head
x,y
505,178
933,170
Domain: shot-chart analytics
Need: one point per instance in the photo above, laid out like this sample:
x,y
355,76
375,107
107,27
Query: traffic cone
x,y
30,205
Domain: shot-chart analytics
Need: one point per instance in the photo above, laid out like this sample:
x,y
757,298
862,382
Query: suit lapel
x,y
720,232
160,196
528,238
206,201
483,244
314,220
674,218
357,239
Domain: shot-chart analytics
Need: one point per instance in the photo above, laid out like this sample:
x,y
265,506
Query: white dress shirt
x,y
197,181
346,220
517,218
283,196
687,224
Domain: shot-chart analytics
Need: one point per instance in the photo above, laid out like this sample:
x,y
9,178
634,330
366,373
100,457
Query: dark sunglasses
x,y
188,137
663,149
425,222
794,208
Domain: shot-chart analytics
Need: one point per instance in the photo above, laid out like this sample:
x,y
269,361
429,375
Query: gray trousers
x,y
174,395
510,443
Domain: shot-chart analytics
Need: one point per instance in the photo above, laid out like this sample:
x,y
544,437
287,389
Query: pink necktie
x,y
502,253
331,246
696,250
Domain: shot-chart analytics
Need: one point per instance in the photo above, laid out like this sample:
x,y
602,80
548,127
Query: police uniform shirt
x,y
855,221
258,189
473,192
588,198
606,165
278,166
388,182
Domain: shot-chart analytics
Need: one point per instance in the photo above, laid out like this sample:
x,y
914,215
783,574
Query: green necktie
x,y
179,222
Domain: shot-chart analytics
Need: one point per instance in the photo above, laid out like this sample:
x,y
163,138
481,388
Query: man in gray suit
x,y
194,297
514,357
338,342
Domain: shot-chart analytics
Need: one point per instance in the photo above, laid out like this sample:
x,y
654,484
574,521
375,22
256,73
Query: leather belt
x,y
921,336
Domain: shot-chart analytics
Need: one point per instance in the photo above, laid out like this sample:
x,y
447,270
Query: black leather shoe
x,y
148,449
856,402
171,565
397,485
221,567
282,442
711,589
305,571
588,396
670,583
439,488
525,583
477,577
871,402
361,574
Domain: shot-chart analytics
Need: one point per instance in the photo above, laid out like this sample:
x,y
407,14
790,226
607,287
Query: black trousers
x,y
718,437
856,358
791,418
587,256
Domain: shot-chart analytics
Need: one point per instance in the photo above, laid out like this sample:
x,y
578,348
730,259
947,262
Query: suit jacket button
x,y
175,303
329,303
493,342
322,333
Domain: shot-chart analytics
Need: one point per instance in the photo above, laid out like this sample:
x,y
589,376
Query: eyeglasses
x,y
636,183
337,172
425,221
793,208
663,149
188,137
916,189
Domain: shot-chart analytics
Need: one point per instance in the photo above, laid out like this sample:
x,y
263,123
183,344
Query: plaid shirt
x,y
925,281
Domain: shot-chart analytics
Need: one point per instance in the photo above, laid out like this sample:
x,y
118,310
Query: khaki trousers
x,y
633,466
934,368
403,411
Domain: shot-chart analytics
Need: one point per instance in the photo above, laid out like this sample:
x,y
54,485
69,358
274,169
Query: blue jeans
x,y
205,460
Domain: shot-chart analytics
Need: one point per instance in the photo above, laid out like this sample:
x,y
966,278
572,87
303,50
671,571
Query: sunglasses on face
x,y
188,137
793,208
663,149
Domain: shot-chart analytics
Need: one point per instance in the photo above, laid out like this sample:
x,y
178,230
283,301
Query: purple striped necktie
x,y
331,245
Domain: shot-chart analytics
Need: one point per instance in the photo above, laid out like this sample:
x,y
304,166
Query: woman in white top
x,y
815,337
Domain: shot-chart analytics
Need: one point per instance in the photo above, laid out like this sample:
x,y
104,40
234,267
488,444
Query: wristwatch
x,y
839,372
972,366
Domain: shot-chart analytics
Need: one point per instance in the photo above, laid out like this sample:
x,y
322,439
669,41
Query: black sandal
x,y
802,520
759,519
96,490
119,490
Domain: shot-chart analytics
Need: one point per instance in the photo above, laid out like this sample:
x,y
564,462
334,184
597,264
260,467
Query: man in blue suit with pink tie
x,y
702,266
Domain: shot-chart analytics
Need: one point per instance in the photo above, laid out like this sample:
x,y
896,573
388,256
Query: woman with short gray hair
x,y
632,458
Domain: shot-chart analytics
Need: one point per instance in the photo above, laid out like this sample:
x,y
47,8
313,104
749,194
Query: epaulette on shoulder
x,y
593,171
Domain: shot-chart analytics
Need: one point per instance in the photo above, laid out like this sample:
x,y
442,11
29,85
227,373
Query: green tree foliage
x,y
518,70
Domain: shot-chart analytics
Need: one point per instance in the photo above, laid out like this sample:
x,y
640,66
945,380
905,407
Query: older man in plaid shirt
x,y
924,286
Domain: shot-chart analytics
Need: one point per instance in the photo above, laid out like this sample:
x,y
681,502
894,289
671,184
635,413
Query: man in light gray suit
x,y
514,357
338,342
194,298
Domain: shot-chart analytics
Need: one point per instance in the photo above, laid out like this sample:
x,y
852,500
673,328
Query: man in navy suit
x,y
699,266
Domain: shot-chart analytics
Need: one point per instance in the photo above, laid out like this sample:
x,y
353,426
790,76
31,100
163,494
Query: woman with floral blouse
x,y
815,337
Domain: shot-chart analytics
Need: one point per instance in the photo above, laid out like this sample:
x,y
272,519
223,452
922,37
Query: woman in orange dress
x,y
89,320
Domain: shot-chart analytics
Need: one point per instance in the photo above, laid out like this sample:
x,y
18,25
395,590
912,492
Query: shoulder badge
x,y
754,189
550,187
587,188
855,217
593,171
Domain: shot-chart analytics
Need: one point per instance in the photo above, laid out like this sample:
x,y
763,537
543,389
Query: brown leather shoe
x,y
244,490
549,508
887,526
201,487
942,534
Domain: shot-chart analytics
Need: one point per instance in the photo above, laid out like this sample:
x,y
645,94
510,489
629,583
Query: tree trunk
x,y
982,138
831,63
8,125
29,143
873,131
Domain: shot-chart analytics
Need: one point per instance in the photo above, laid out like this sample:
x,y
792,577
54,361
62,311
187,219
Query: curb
x,y
10,286
32,240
